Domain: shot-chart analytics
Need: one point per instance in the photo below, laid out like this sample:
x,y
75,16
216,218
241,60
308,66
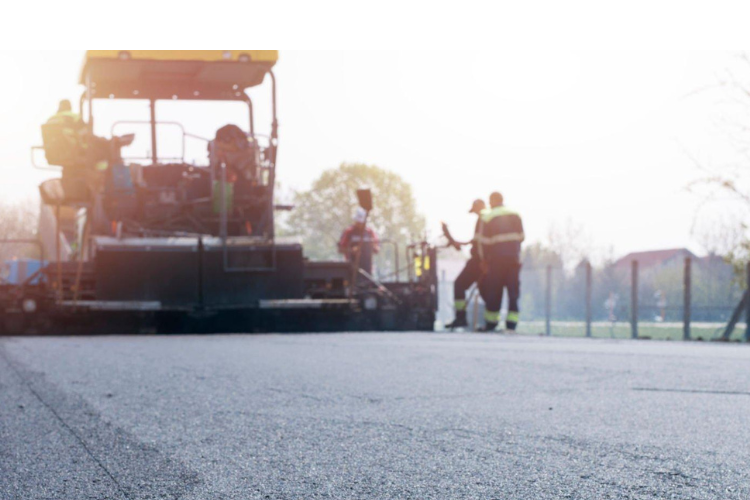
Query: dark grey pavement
x,y
372,416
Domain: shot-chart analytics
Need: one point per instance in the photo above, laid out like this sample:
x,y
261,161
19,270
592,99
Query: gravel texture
x,y
372,416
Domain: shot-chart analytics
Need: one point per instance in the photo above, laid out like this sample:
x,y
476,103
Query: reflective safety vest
x,y
501,233
72,126
67,118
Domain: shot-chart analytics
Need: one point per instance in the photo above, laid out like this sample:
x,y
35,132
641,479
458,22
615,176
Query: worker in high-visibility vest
x,y
470,274
86,149
500,241
73,128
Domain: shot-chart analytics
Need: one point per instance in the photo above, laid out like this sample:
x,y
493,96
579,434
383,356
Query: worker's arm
x,y
451,241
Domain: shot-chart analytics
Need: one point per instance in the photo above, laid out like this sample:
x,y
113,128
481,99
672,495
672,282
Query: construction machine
x,y
159,242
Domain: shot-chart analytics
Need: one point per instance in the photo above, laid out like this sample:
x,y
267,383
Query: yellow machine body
x,y
175,74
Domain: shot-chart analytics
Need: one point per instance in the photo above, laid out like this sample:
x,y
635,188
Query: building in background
x,y
654,259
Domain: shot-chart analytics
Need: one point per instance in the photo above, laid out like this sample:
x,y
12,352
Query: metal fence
x,y
690,299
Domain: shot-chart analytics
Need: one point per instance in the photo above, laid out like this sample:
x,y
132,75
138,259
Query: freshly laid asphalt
x,y
372,416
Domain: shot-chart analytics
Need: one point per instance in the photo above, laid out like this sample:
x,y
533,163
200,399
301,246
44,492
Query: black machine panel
x,y
164,270
183,273
252,273
327,279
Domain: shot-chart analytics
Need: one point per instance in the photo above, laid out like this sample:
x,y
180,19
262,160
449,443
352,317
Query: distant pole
x,y
688,296
747,304
548,303
588,298
634,300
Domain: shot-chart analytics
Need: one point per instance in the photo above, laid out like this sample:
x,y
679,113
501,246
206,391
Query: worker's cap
x,y
360,215
477,206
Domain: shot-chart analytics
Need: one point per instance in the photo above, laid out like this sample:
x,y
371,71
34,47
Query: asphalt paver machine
x,y
161,244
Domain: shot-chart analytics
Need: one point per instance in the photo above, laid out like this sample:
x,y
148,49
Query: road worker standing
x,y
470,274
500,241
359,242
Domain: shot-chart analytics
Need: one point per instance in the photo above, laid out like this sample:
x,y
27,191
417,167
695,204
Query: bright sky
x,y
598,138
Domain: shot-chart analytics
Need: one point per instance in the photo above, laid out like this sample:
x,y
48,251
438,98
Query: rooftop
x,y
653,258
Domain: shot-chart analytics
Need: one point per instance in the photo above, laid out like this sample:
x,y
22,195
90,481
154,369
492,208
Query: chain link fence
x,y
690,299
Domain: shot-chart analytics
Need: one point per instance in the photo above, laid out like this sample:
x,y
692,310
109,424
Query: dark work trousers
x,y
502,274
470,274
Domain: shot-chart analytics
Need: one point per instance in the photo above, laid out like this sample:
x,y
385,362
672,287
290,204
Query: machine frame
x,y
205,281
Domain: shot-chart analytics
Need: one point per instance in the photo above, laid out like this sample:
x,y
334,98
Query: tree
x,y
18,221
729,182
570,242
324,211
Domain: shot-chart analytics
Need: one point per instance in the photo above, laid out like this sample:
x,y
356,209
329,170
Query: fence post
x,y
588,298
548,302
634,300
747,304
688,297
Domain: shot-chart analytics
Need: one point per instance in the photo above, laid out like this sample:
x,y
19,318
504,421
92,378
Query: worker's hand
x,y
451,242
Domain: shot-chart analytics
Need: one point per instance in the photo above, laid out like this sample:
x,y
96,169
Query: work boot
x,y
511,321
459,321
488,327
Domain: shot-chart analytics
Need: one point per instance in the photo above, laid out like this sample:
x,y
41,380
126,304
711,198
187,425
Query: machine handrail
x,y
185,135
42,167
144,122
223,233
397,267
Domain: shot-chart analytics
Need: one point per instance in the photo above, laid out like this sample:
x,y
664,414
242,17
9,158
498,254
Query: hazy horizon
x,y
602,139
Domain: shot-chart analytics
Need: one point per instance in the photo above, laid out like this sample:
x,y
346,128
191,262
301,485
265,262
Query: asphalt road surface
x,y
372,416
